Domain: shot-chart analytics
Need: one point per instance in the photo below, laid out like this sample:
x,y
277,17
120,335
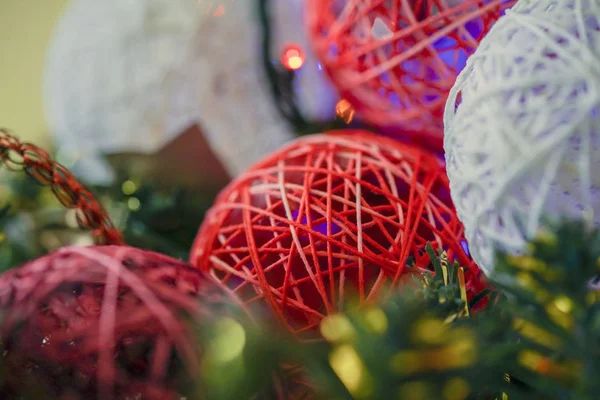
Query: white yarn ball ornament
x,y
132,75
104,78
522,134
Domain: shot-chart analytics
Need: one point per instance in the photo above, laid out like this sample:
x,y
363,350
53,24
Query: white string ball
x,y
103,80
522,134
134,75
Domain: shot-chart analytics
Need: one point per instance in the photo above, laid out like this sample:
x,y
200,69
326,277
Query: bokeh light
x,y
293,57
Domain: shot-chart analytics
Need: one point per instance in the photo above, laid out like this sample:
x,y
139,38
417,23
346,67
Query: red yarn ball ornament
x,y
326,216
396,60
102,322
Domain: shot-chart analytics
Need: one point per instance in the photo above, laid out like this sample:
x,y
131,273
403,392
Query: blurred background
x,y
155,105
27,26
159,87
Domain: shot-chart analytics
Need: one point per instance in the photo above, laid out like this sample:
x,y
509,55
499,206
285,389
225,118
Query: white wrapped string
x,y
522,135
103,81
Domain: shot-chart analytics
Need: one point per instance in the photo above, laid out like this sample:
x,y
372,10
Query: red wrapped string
x,y
326,216
396,60
38,164
105,322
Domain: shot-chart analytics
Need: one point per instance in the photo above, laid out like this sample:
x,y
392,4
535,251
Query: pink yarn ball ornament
x,y
396,60
326,216
103,322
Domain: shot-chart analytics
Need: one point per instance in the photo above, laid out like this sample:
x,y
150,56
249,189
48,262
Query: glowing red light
x,y
219,11
292,57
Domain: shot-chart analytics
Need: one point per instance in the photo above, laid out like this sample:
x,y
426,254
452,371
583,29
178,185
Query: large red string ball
x,y
326,217
102,322
396,60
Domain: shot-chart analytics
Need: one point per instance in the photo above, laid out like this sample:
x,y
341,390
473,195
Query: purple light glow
x,y
320,227
465,247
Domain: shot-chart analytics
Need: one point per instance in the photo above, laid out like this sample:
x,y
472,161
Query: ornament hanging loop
x,y
39,165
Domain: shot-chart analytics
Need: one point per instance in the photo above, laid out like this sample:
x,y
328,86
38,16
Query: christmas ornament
x,y
104,79
395,61
103,322
223,74
328,217
521,126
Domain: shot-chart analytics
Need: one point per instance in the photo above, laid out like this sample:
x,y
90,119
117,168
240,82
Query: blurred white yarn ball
x,y
522,128
104,76
132,75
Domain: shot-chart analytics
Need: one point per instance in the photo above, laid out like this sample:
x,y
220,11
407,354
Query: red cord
x,y
395,61
326,218
38,164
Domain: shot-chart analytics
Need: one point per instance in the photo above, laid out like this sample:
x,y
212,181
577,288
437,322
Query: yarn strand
x,y
327,218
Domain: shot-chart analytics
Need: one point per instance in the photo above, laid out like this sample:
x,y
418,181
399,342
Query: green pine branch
x,y
367,350
538,338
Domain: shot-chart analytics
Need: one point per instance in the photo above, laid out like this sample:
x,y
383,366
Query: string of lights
x,y
281,75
